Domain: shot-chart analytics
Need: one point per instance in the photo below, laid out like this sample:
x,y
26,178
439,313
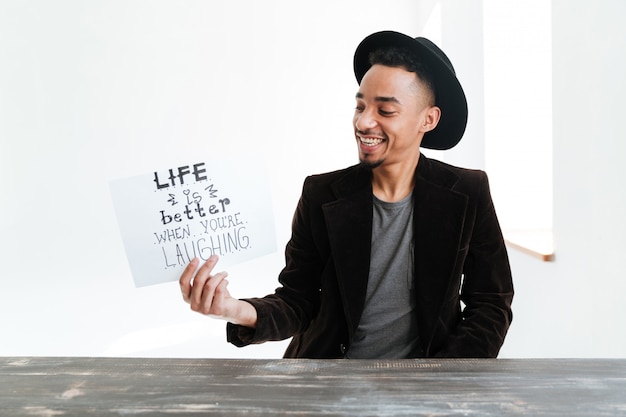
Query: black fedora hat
x,y
449,95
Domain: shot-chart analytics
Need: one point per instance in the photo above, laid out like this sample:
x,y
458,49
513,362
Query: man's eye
x,y
385,113
358,108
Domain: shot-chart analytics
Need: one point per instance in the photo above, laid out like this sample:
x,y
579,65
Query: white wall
x,y
575,306
96,90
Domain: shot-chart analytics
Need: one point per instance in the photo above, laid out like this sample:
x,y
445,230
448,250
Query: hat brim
x,y
450,97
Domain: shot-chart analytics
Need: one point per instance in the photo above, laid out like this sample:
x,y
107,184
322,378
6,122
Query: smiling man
x,y
399,256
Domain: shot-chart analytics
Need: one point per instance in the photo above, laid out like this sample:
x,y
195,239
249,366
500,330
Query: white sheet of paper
x,y
171,215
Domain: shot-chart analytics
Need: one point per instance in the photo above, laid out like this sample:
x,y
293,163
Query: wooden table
x,y
58,386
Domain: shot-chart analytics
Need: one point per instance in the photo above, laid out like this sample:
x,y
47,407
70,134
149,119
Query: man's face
x,y
392,106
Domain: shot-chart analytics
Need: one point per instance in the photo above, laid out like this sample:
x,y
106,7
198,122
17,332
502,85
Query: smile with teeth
x,y
371,141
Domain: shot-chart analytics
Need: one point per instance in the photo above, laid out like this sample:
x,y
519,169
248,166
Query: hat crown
x,y
437,51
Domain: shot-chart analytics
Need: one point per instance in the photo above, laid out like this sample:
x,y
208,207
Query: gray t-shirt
x,y
388,325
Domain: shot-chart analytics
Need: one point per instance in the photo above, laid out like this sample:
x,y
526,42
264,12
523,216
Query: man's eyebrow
x,y
381,99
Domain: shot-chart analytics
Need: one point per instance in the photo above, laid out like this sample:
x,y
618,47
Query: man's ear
x,y
431,120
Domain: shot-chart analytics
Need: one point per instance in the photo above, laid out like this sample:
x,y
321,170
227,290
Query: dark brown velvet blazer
x,y
459,256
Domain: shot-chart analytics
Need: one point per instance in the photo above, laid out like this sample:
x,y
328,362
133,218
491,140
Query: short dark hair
x,y
403,58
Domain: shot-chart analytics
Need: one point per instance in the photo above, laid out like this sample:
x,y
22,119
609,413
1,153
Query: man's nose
x,y
365,120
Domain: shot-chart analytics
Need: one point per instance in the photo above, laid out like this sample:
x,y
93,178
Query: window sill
x,y
536,243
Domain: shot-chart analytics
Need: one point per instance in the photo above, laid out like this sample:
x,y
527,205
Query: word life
x,y
179,174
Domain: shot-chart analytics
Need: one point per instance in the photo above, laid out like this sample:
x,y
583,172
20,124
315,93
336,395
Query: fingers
x,y
204,292
212,298
218,306
201,277
185,279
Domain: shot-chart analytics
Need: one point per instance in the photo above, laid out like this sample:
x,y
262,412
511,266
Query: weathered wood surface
x,y
60,386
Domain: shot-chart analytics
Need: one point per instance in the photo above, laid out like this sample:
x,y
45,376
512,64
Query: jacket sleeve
x,y
294,304
486,289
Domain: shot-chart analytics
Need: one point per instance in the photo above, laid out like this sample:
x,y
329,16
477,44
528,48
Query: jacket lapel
x,y
349,223
438,224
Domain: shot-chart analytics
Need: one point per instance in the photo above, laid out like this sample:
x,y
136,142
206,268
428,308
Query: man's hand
x,y
208,294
